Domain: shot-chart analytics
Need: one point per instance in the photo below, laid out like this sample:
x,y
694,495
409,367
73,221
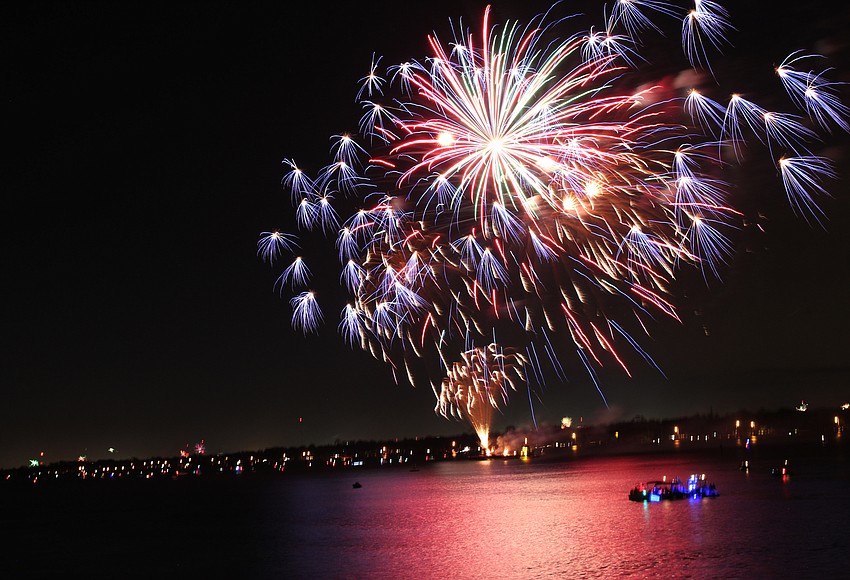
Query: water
x,y
565,518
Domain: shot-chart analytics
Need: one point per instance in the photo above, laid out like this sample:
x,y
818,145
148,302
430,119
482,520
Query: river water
x,y
562,517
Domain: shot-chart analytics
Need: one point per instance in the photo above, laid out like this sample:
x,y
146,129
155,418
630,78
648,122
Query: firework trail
x,y
479,384
523,188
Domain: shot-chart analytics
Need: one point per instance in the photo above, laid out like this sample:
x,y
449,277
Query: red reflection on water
x,y
503,518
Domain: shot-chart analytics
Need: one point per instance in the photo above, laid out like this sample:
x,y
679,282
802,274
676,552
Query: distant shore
x,y
735,435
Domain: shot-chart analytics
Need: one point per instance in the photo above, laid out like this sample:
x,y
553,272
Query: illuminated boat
x,y
782,470
657,491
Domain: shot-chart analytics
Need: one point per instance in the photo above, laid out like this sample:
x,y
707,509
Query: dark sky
x,y
144,148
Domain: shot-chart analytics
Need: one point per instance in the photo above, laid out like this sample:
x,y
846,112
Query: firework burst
x,y
535,195
478,384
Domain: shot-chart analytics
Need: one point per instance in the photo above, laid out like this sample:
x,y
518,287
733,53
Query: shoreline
x,y
770,452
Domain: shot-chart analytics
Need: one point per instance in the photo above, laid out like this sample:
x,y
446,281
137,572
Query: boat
x,y
657,491
356,485
782,470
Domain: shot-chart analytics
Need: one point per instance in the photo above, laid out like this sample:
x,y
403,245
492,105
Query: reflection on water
x,y
466,519
514,519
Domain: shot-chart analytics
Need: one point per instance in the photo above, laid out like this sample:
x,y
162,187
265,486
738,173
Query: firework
x,y
477,385
272,244
522,189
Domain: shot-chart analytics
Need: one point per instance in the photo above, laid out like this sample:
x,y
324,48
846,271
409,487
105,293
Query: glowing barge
x,y
657,491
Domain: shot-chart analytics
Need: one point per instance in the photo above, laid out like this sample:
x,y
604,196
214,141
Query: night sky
x,y
144,149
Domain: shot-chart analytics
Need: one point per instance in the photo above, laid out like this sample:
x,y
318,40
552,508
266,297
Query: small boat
x,y
656,491
781,471
356,485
